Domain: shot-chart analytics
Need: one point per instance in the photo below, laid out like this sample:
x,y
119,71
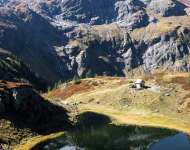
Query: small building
x,y
139,84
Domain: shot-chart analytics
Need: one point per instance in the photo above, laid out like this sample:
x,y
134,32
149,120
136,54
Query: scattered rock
x,y
91,100
98,102
156,110
167,94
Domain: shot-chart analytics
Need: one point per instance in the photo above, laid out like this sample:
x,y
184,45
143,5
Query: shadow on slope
x,y
35,113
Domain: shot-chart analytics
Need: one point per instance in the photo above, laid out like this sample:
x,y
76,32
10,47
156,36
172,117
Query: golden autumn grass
x,y
168,108
155,120
33,142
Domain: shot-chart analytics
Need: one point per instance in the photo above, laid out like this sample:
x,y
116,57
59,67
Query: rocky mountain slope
x,y
62,38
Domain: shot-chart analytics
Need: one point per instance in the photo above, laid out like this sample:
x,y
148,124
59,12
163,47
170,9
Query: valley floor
x,y
165,102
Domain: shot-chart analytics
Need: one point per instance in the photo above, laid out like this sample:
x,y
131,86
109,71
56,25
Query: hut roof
x,y
139,81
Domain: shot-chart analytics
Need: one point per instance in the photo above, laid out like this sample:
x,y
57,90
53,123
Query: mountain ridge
x,y
68,38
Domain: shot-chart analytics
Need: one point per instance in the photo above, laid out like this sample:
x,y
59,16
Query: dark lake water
x,y
105,138
179,141
97,134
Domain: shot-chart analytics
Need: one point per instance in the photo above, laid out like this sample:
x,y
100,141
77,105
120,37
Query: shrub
x,y
76,79
55,86
90,74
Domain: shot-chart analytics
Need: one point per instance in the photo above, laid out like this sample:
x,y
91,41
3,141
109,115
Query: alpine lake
x,y
95,132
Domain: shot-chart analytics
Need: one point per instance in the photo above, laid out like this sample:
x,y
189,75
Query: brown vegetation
x,y
72,89
182,81
187,96
157,77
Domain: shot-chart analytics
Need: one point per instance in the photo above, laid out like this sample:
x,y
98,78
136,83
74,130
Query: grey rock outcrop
x,y
118,55
127,12
166,52
167,7
63,38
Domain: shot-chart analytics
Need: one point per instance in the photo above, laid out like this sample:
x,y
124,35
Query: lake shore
x,y
155,120
36,141
118,118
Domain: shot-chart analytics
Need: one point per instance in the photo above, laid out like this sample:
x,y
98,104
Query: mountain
x,y
59,39
44,41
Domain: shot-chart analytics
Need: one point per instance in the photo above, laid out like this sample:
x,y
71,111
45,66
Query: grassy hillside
x,y
165,102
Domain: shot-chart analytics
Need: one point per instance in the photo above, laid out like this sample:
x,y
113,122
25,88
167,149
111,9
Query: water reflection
x,y
94,132
177,142
71,148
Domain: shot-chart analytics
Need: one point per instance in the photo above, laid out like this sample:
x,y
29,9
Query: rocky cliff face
x,y
63,38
